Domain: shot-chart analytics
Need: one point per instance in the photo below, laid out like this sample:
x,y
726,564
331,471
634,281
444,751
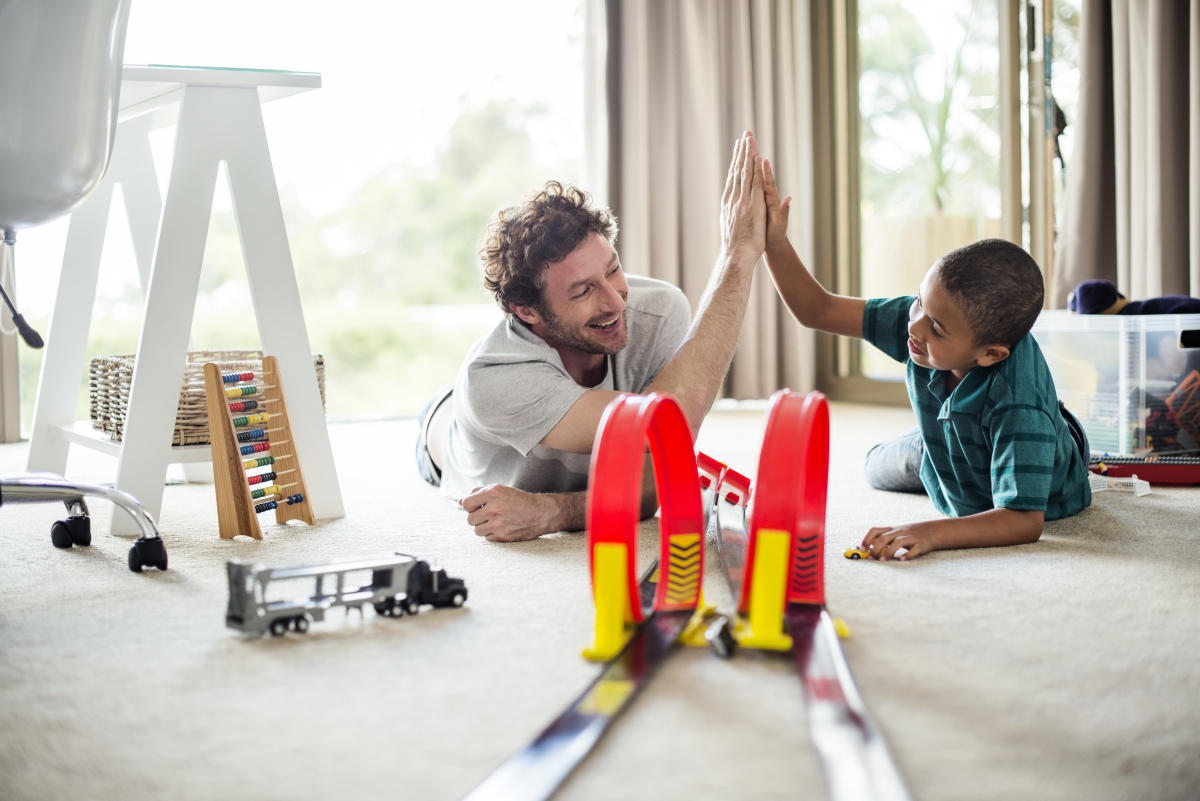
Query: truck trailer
x,y
398,584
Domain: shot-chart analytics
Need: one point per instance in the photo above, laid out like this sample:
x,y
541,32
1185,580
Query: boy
x,y
997,453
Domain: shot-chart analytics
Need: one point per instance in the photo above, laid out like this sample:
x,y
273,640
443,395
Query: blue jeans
x,y
895,465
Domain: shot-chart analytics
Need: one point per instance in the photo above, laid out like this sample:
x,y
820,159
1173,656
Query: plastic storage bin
x,y
1128,378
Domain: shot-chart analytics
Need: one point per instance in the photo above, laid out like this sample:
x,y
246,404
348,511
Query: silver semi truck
x,y
260,601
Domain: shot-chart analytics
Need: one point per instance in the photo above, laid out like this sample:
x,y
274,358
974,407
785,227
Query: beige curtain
x,y
684,79
1132,207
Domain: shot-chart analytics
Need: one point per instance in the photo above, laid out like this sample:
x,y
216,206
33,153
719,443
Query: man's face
x,y
583,301
939,335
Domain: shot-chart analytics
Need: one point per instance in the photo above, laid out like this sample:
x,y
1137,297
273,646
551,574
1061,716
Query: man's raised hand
x,y
743,208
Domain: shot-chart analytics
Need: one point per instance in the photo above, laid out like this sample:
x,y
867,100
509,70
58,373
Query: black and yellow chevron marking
x,y
683,569
804,576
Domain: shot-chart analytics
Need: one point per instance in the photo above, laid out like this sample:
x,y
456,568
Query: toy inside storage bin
x,y
110,377
1128,378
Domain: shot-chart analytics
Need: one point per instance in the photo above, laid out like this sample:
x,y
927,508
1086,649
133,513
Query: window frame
x,y
834,33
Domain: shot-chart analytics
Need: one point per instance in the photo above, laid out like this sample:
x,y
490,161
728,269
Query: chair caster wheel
x,y
147,553
72,531
60,534
81,529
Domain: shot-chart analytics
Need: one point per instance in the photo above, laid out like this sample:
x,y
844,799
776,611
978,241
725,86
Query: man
x,y
512,441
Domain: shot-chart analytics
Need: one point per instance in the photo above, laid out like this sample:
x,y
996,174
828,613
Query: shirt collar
x,y
967,398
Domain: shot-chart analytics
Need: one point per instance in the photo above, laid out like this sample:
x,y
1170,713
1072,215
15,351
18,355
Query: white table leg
x,y
170,303
220,124
276,296
132,166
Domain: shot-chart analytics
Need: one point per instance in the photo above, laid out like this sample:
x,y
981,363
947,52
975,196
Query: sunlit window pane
x,y
930,143
430,117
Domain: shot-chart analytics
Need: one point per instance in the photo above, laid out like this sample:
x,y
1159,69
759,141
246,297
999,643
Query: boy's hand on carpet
x,y
503,514
899,542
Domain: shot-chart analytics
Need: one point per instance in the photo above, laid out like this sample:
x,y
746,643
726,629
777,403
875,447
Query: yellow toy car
x,y
856,553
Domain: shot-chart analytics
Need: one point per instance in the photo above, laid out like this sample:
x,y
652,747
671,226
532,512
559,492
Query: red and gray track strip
x,y
857,763
790,492
539,770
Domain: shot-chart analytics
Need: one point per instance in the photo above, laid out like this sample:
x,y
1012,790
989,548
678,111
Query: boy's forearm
x,y
994,527
795,284
809,302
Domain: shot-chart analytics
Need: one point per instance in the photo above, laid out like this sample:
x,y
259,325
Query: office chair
x,y
60,83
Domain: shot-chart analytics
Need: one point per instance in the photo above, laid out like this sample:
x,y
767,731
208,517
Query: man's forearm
x,y
695,373
569,511
571,507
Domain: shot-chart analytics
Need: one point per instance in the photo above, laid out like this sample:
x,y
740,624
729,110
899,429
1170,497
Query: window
x,y
936,140
430,117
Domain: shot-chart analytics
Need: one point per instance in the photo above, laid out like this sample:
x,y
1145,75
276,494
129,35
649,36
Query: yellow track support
x,y
612,601
764,626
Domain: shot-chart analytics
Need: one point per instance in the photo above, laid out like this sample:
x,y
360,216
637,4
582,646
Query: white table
x,y
219,116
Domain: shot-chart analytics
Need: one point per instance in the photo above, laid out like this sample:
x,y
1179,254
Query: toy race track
x,y
1184,470
772,553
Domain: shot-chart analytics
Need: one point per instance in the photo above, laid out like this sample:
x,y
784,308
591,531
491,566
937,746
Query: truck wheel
x,y
300,624
278,627
412,606
458,599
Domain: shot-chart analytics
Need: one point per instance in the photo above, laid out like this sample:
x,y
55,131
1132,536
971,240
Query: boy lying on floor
x,y
994,449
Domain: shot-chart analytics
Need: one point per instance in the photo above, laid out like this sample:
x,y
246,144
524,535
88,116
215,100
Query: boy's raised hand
x,y
777,210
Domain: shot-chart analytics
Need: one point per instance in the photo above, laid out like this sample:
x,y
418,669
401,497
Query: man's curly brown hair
x,y
524,239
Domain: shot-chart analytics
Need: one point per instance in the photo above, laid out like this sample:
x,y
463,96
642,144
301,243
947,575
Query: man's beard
x,y
560,334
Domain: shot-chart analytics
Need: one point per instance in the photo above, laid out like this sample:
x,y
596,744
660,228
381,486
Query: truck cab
x,y
429,586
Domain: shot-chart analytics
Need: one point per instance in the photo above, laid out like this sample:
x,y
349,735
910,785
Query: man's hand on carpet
x,y
504,514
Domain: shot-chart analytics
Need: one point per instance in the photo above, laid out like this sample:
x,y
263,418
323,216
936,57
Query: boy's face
x,y
939,335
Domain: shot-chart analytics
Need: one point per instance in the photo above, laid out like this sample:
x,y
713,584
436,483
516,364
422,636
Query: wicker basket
x,y
109,378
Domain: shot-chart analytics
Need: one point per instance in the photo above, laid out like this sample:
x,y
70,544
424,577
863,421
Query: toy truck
x,y
397,584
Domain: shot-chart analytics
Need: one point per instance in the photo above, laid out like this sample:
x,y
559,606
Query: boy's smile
x,y
940,336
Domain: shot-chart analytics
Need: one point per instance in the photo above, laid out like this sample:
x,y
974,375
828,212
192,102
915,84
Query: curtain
x,y
1132,205
684,79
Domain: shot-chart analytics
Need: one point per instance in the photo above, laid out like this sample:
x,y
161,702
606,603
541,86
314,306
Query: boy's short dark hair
x,y
544,229
999,287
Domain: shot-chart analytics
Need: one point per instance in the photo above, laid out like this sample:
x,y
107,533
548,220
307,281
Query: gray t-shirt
x,y
512,389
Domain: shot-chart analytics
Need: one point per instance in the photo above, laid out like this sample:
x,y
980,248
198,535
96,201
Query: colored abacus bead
x,y
266,507
259,462
233,378
261,477
254,433
297,498
256,447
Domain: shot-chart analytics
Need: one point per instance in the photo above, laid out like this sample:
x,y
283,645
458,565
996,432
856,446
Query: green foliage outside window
x,y
390,282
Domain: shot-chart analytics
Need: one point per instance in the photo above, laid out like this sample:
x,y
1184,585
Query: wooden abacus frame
x,y
235,507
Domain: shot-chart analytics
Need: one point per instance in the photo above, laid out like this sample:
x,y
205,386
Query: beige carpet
x,y
1068,669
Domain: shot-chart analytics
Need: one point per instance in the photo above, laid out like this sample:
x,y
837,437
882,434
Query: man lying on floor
x,y
512,440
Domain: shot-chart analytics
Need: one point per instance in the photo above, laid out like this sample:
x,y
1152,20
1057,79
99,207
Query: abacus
x,y
255,467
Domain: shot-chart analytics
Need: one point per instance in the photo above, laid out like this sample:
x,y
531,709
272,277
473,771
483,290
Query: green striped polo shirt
x,y
998,439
